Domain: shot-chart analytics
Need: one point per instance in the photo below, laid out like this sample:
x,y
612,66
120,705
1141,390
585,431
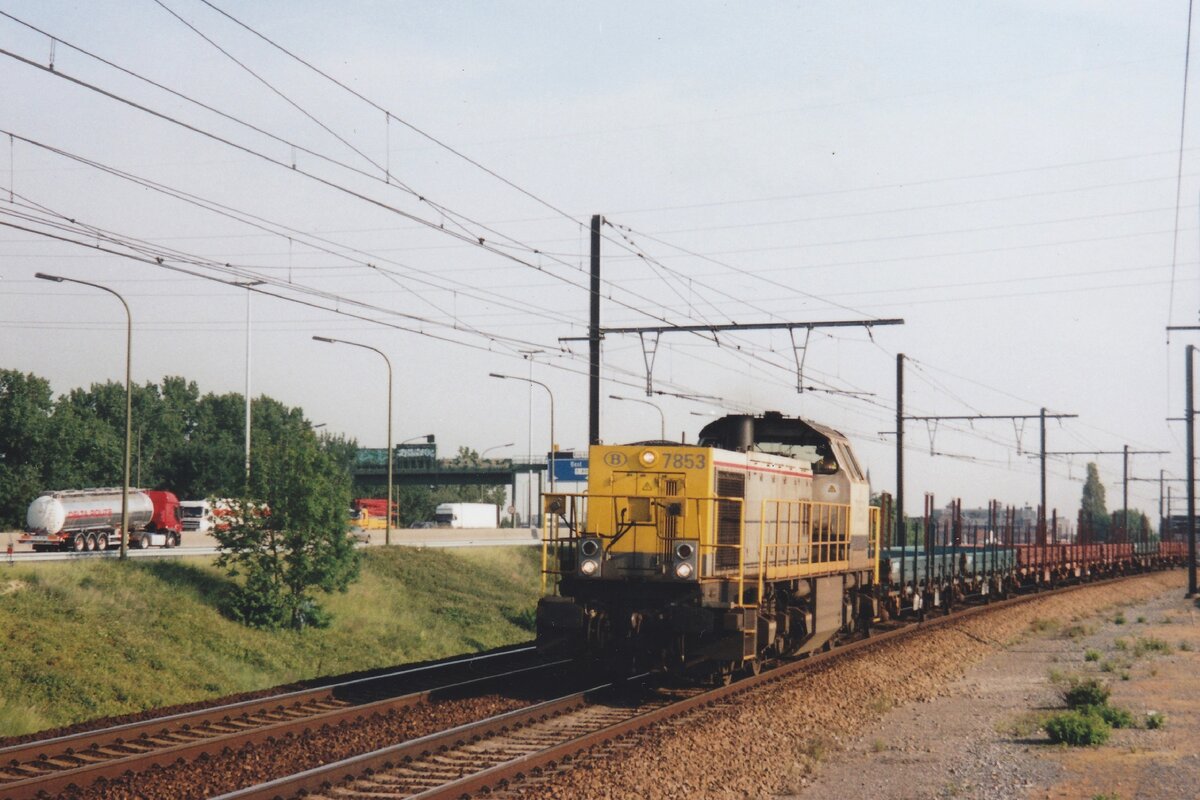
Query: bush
x,y
1089,692
1155,720
1151,644
1091,655
1114,716
1078,729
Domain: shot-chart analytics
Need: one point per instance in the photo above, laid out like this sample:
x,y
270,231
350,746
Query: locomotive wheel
x,y
754,667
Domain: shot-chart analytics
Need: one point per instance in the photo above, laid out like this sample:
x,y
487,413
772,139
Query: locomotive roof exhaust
x,y
741,432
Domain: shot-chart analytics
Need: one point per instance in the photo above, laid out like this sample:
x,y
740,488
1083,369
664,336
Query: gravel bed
x,y
771,742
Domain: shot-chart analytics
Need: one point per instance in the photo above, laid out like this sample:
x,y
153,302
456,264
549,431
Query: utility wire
x,y
390,115
271,87
1187,56
282,230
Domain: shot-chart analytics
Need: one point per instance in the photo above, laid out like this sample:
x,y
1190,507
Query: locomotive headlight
x,y
685,566
589,548
648,457
589,567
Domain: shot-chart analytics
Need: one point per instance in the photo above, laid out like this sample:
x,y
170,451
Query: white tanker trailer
x,y
90,519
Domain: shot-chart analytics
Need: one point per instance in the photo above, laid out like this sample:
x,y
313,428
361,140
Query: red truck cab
x,y
166,512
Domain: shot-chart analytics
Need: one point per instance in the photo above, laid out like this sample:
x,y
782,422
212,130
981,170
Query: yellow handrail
x,y
805,532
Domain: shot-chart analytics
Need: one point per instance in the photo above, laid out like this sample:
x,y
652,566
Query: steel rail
x,y
322,778
318,777
186,738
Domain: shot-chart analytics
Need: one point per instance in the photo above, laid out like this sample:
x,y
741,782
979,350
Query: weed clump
x,y
1086,692
1091,655
1155,720
1078,729
1076,631
1150,644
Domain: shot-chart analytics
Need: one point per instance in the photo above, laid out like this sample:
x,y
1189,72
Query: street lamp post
x,y
661,417
494,447
428,437
247,286
128,400
387,534
547,388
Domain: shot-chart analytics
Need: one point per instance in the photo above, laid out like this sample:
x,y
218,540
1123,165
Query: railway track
x,y
51,767
453,752
491,755
470,757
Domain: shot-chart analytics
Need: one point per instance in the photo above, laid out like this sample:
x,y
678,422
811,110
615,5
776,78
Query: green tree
x,y
26,403
89,438
1092,504
290,540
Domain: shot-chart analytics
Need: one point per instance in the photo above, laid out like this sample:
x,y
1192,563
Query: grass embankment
x,y
88,639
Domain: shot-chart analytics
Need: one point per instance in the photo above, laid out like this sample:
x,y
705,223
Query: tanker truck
x,y
90,519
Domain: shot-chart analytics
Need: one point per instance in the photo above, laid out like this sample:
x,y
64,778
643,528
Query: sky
x,y
1017,181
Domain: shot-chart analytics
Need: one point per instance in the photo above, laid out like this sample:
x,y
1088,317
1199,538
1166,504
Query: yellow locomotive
x,y
706,558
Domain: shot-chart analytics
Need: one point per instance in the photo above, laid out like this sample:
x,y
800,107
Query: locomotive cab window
x,y
826,463
846,456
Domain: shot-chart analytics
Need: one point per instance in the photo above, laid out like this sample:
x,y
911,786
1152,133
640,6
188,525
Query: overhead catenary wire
x,y
480,242
1187,57
154,261
367,260
390,115
663,278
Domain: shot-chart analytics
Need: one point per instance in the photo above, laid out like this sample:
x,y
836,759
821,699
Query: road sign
x,y
570,470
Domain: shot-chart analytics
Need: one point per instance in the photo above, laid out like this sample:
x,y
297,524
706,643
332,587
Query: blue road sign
x,y
568,470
